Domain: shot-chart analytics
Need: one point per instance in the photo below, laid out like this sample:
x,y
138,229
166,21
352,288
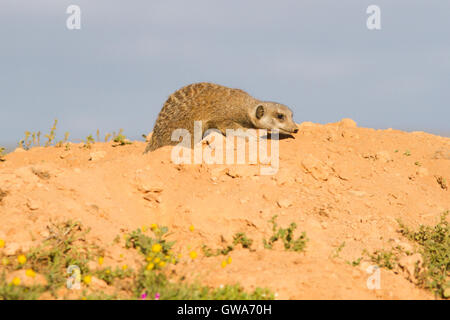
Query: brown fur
x,y
218,107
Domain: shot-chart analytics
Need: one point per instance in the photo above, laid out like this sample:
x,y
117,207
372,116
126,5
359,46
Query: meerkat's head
x,y
272,115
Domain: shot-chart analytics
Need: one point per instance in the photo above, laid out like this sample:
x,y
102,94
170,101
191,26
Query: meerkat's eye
x,y
280,116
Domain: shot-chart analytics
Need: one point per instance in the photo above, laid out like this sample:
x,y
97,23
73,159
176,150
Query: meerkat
x,y
217,107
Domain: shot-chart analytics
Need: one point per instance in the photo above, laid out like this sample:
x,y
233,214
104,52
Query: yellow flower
x,y
100,260
30,273
229,260
16,281
149,259
193,255
22,259
223,264
144,228
5,261
157,259
87,279
191,228
83,298
162,264
108,271
153,226
124,267
156,247
2,243
150,266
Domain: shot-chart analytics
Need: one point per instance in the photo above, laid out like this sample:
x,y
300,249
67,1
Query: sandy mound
x,y
337,182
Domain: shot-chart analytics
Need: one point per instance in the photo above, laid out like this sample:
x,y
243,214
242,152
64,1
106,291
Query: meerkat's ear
x,y
259,112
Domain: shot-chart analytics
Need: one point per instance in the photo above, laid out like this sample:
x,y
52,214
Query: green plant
x,y
64,141
89,141
151,281
66,245
385,258
407,153
12,292
356,262
33,139
145,244
120,139
152,284
241,238
208,252
109,275
238,238
338,250
434,246
287,236
51,136
98,296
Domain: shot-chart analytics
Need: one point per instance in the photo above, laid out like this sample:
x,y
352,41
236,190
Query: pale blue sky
x,y
315,56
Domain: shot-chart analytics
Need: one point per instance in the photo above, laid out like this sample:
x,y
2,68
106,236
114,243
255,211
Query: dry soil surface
x,y
338,182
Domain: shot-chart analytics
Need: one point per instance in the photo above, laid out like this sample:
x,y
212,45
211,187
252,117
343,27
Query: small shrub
x,y
241,238
287,236
434,246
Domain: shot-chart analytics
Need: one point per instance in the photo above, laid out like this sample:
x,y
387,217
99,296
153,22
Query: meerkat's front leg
x,y
228,124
